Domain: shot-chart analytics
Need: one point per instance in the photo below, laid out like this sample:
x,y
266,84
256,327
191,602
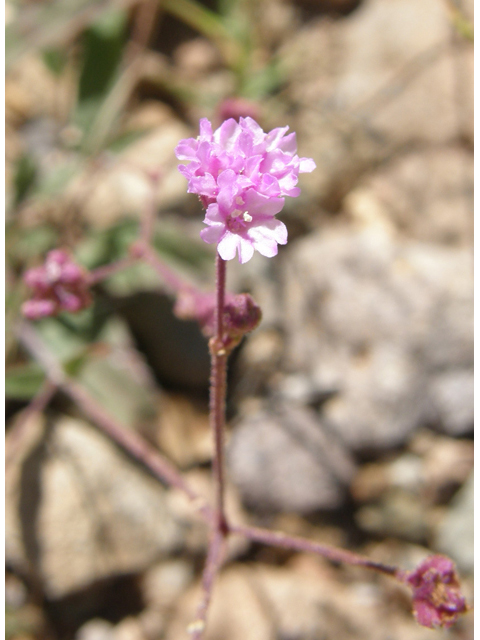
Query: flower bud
x,y
437,599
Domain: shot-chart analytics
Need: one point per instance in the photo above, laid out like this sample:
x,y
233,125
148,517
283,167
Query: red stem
x,y
174,283
101,273
218,386
210,571
278,539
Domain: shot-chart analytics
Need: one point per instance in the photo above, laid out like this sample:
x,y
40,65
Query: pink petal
x,y
213,214
289,144
203,185
254,128
227,134
186,149
273,138
205,129
258,204
213,233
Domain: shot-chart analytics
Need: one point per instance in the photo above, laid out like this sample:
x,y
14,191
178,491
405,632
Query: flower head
x,y
437,599
58,285
242,175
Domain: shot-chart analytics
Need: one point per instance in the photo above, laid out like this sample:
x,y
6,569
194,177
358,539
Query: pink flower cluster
x,y
242,176
58,285
437,599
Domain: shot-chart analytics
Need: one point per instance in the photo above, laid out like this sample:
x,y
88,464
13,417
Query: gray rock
x,y
384,325
385,76
455,532
428,194
452,395
79,510
286,459
96,629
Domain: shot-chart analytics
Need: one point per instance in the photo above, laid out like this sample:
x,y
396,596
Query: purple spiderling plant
x,y
242,176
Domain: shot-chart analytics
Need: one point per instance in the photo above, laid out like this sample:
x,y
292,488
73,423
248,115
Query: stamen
x,y
247,217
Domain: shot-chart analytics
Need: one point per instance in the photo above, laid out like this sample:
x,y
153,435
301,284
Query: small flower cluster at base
x,y
437,599
58,285
241,314
242,176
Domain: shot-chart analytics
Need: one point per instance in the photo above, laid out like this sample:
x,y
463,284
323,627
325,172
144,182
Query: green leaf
x,y
61,338
263,82
172,243
23,245
104,246
46,24
55,59
124,140
55,182
103,45
25,177
24,382
113,382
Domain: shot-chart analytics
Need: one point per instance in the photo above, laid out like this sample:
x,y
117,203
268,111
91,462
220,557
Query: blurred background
x,y
350,407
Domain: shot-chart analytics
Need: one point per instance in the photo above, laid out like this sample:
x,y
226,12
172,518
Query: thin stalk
x,y
218,386
108,270
334,554
16,434
210,571
173,282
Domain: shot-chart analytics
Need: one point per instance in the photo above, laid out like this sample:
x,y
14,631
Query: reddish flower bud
x,y
237,108
58,285
241,314
437,599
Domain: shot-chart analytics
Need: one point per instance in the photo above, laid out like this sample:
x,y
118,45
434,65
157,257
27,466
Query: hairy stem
x,y
218,386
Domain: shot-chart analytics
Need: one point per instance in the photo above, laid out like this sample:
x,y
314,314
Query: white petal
x,y
227,247
245,250
307,165
267,247
269,230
